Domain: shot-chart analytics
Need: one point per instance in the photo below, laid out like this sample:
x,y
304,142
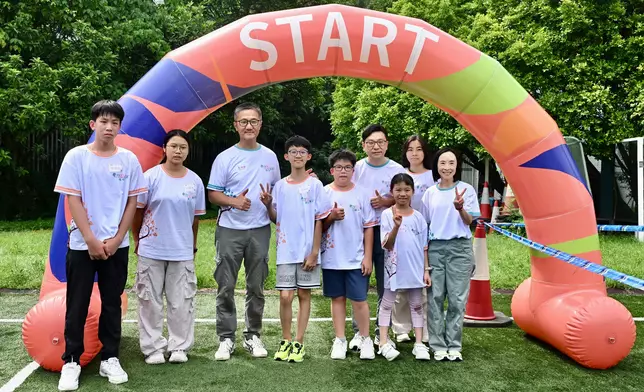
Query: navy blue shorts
x,y
345,283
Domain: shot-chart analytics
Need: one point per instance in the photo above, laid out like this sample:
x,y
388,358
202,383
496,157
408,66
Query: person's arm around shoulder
x,y
322,211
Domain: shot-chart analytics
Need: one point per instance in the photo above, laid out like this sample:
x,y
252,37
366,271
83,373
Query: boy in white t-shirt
x,y
101,182
347,242
373,174
297,205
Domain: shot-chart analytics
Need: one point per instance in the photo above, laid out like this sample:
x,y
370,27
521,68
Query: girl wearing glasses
x,y
165,231
416,158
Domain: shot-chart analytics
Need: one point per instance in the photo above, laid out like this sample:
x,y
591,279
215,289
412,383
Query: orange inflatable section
x,y
560,304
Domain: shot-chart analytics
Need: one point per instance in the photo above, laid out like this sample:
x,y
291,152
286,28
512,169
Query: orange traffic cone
x,y
479,311
486,211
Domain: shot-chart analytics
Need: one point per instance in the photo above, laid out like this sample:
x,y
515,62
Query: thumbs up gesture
x,y
377,201
458,199
265,196
337,213
242,202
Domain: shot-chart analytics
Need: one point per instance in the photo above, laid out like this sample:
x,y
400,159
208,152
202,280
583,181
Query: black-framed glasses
x,y
343,168
254,122
371,143
298,153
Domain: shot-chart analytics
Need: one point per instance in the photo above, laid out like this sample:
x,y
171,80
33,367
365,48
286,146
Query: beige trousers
x,y
177,279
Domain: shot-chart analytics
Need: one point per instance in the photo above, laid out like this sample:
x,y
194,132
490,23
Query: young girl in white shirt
x,y
449,207
165,232
417,159
404,237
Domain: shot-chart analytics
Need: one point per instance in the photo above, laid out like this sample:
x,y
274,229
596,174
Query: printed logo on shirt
x,y
267,168
305,194
355,207
117,172
241,167
421,188
190,191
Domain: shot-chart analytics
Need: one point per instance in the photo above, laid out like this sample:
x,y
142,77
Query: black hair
x,y
373,128
342,155
247,106
402,178
170,135
427,158
106,107
297,141
457,173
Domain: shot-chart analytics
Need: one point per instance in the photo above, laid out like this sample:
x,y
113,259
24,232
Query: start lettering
x,y
335,19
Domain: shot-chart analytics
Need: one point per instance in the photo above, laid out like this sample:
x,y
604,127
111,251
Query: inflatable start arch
x,y
563,305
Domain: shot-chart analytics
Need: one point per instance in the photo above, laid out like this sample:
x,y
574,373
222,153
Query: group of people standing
x,y
409,223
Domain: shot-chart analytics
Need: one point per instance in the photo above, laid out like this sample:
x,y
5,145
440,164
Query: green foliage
x,y
580,59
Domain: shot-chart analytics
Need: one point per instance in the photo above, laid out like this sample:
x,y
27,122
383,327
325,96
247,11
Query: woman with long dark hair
x,y
416,158
449,207
165,231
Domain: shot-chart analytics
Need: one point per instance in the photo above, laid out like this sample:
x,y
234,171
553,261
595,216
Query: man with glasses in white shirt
x,y
243,230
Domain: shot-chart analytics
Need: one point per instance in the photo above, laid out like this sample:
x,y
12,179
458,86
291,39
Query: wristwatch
x,y
428,268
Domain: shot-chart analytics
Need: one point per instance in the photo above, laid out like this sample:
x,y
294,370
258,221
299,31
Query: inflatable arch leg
x,y
560,304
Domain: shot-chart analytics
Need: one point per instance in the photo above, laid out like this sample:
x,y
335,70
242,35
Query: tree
x,y
56,61
580,59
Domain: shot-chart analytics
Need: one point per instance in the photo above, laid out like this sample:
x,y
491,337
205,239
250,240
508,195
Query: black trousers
x,y
112,275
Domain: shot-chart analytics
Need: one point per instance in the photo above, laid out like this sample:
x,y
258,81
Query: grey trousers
x,y
177,279
453,265
233,246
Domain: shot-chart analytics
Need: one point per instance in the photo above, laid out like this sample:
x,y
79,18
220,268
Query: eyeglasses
x,y
298,153
371,143
343,168
177,147
254,122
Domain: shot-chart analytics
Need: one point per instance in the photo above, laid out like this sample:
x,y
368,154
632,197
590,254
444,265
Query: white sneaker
x,y
156,358
454,355
339,349
366,349
389,351
113,371
226,347
178,356
421,352
376,341
69,377
354,344
440,355
403,337
255,347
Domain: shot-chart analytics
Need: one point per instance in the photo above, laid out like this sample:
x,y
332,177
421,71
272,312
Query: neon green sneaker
x,y
297,353
283,352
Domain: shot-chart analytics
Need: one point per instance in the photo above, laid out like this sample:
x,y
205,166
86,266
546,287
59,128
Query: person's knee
x,y
304,294
286,297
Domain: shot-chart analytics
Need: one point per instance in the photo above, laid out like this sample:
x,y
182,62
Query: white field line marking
x,y
266,320
19,378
